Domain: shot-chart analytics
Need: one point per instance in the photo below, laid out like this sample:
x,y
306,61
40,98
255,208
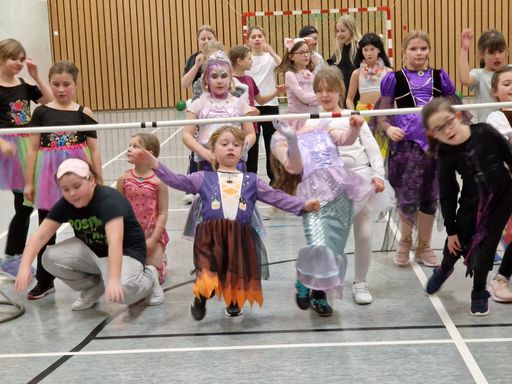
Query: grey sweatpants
x,y
78,267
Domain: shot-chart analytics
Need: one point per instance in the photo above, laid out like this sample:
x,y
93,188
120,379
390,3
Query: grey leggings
x,y
78,267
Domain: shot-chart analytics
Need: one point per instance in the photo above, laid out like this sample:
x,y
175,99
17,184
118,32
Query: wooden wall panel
x,y
131,53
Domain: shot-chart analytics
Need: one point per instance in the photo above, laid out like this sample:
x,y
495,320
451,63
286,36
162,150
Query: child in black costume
x,y
478,153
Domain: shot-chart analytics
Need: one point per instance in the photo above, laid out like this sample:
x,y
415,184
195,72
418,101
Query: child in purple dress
x,y
411,172
228,252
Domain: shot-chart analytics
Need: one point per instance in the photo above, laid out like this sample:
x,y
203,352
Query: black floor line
x,y
78,348
288,331
93,334
90,337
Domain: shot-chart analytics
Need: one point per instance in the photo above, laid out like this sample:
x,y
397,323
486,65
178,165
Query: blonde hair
x,y
11,48
210,47
330,78
416,35
206,28
237,133
149,142
350,23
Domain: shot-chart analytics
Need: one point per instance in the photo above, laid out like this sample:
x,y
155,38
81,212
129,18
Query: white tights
x,y
363,225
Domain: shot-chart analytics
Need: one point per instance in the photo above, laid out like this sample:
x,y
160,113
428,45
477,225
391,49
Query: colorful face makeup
x,y
218,78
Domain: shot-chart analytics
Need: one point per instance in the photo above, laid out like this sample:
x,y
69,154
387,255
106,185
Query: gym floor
x,y
404,336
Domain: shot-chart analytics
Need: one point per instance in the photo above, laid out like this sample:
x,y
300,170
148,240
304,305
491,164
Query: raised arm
x,y
348,137
284,201
286,148
186,183
45,88
464,72
188,78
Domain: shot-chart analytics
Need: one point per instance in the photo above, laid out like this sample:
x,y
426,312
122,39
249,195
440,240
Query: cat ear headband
x,y
289,43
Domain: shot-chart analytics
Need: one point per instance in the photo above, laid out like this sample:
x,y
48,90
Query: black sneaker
x,y
40,291
437,279
198,308
480,303
320,305
302,295
232,310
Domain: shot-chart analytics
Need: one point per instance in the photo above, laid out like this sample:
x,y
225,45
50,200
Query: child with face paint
x,y
215,102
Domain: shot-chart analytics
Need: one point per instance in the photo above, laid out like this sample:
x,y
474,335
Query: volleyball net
x,y
287,23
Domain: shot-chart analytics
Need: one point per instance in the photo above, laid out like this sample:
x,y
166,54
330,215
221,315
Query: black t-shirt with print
x,y
15,103
45,116
89,222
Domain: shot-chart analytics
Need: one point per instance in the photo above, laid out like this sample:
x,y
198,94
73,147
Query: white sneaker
x,y
188,198
88,298
157,295
500,290
361,293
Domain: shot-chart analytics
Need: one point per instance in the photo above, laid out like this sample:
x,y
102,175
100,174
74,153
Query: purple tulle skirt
x,y
47,191
413,175
12,166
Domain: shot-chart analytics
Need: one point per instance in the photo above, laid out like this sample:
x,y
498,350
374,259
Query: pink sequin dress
x,y
142,193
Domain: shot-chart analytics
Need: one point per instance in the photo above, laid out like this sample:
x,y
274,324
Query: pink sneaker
x,y
427,257
162,271
401,257
499,288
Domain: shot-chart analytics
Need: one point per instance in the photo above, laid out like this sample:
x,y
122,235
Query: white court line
x,y
459,342
253,347
227,348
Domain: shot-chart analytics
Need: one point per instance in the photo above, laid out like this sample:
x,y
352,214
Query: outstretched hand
x,y
467,38
312,205
284,129
143,155
356,122
23,278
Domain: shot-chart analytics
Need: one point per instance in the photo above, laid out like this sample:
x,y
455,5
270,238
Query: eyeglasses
x,y
441,128
302,53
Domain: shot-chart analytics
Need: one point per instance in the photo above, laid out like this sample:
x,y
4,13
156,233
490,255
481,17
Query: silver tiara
x,y
219,56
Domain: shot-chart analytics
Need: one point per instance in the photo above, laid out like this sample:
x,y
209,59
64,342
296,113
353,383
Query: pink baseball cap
x,y
76,166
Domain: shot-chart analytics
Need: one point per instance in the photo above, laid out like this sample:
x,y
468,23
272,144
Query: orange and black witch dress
x,y
229,256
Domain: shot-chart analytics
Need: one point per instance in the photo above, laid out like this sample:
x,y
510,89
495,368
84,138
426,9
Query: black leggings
x,y
42,275
18,228
268,130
